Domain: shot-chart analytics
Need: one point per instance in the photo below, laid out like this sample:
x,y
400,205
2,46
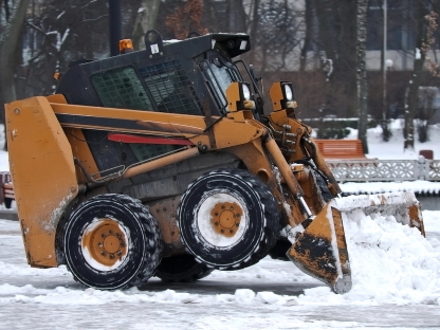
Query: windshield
x,y
220,74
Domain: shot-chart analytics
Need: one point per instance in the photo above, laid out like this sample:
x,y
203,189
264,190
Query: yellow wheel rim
x,y
226,217
106,242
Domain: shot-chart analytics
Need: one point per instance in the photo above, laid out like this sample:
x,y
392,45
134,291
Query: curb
x,y
8,215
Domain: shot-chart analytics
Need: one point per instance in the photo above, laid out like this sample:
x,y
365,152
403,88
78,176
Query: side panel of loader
x,y
43,173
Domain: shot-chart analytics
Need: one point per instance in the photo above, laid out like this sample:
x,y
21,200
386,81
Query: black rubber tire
x,y
280,249
260,230
143,237
181,268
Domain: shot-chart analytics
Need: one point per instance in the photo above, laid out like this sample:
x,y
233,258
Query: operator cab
x,y
187,77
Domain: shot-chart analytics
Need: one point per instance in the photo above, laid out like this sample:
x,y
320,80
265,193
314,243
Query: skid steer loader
x,y
164,162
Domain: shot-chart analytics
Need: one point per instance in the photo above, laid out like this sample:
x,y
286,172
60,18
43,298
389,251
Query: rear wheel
x,y
111,241
181,268
228,219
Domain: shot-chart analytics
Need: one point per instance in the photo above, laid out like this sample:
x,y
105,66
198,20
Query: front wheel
x,y
228,219
111,241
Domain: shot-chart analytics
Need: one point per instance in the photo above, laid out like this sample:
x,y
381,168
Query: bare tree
x,y
432,39
427,94
416,75
308,24
337,42
145,20
236,16
6,9
275,35
426,110
386,133
361,71
253,27
9,44
56,34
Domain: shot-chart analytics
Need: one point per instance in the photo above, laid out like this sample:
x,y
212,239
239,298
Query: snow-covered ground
x,y
396,285
393,149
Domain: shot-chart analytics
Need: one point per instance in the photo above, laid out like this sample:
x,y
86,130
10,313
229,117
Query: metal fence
x,y
373,170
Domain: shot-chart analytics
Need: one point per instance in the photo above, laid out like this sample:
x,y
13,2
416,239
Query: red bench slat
x,y
340,149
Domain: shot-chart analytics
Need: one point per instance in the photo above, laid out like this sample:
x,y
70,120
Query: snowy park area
x,y
219,165
395,271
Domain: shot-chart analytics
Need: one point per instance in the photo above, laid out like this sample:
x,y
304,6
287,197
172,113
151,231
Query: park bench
x,y
340,149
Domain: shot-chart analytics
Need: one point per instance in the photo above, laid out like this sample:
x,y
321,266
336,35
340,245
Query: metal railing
x,y
374,170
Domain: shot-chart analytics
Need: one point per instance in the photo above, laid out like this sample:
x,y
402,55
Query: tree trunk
x,y
254,30
9,42
6,7
145,20
416,76
361,72
411,103
386,133
337,38
236,16
308,22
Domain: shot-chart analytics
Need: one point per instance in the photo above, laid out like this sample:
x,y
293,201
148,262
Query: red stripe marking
x,y
127,138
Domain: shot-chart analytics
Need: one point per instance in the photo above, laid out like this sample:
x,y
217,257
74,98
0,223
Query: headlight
x,y
238,96
288,93
282,96
246,92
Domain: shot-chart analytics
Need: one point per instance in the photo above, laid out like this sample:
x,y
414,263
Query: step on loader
x,y
164,162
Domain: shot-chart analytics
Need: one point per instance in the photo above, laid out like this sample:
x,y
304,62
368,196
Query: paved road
x,y
50,299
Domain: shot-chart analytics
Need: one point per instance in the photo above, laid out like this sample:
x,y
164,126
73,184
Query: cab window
x,y
220,73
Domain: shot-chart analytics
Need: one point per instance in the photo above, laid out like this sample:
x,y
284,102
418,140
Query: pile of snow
x,y
391,263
